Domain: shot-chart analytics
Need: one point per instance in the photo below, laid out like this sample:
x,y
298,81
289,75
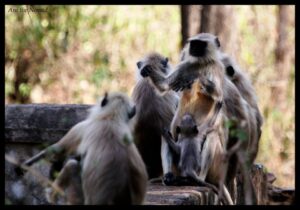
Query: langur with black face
x,y
154,111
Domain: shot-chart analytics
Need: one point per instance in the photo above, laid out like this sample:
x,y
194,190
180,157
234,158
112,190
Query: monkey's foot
x,y
19,171
169,179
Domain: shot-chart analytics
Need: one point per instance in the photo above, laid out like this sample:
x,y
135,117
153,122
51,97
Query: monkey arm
x,y
67,145
183,76
158,80
168,137
216,113
70,142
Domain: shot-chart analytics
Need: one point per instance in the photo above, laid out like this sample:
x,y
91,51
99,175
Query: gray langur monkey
x,y
242,81
154,111
112,170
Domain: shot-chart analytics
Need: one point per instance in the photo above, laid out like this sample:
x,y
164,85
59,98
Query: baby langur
x,y
112,170
198,156
154,111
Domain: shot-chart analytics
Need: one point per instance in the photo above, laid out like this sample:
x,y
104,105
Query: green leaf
x,y
241,134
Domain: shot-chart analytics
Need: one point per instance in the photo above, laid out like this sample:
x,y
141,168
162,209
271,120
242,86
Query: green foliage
x,y
24,89
100,74
234,131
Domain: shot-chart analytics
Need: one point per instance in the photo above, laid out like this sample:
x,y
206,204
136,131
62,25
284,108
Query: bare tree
x,y
282,64
215,19
219,20
190,21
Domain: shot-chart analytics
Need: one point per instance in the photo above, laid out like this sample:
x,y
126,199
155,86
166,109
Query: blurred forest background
x,y
72,54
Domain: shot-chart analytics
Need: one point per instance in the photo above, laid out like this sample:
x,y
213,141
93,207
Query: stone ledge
x,y
158,194
41,123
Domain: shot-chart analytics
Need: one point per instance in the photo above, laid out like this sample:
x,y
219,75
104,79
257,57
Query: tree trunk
x,y
219,20
184,10
207,19
190,21
281,55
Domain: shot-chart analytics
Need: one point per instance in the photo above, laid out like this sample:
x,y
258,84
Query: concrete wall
x,y
29,129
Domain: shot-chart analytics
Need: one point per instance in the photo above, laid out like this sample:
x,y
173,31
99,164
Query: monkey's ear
x,y
230,71
104,100
165,62
218,42
139,64
177,129
195,129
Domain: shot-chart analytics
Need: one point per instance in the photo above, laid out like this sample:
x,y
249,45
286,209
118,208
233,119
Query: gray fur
x,y
155,111
196,162
112,170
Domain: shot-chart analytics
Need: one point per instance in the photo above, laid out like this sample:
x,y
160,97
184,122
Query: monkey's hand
x,y
169,179
170,141
207,86
183,76
51,195
19,171
182,82
146,71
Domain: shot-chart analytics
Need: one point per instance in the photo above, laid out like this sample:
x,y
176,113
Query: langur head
x,y
229,65
153,62
203,47
188,126
114,105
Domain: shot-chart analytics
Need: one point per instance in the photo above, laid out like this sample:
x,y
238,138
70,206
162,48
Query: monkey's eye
x,y
104,100
139,64
165,62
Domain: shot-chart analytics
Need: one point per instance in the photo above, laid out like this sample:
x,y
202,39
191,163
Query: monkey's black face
x,y
197,48
230,71
132,112
145,71
187,130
